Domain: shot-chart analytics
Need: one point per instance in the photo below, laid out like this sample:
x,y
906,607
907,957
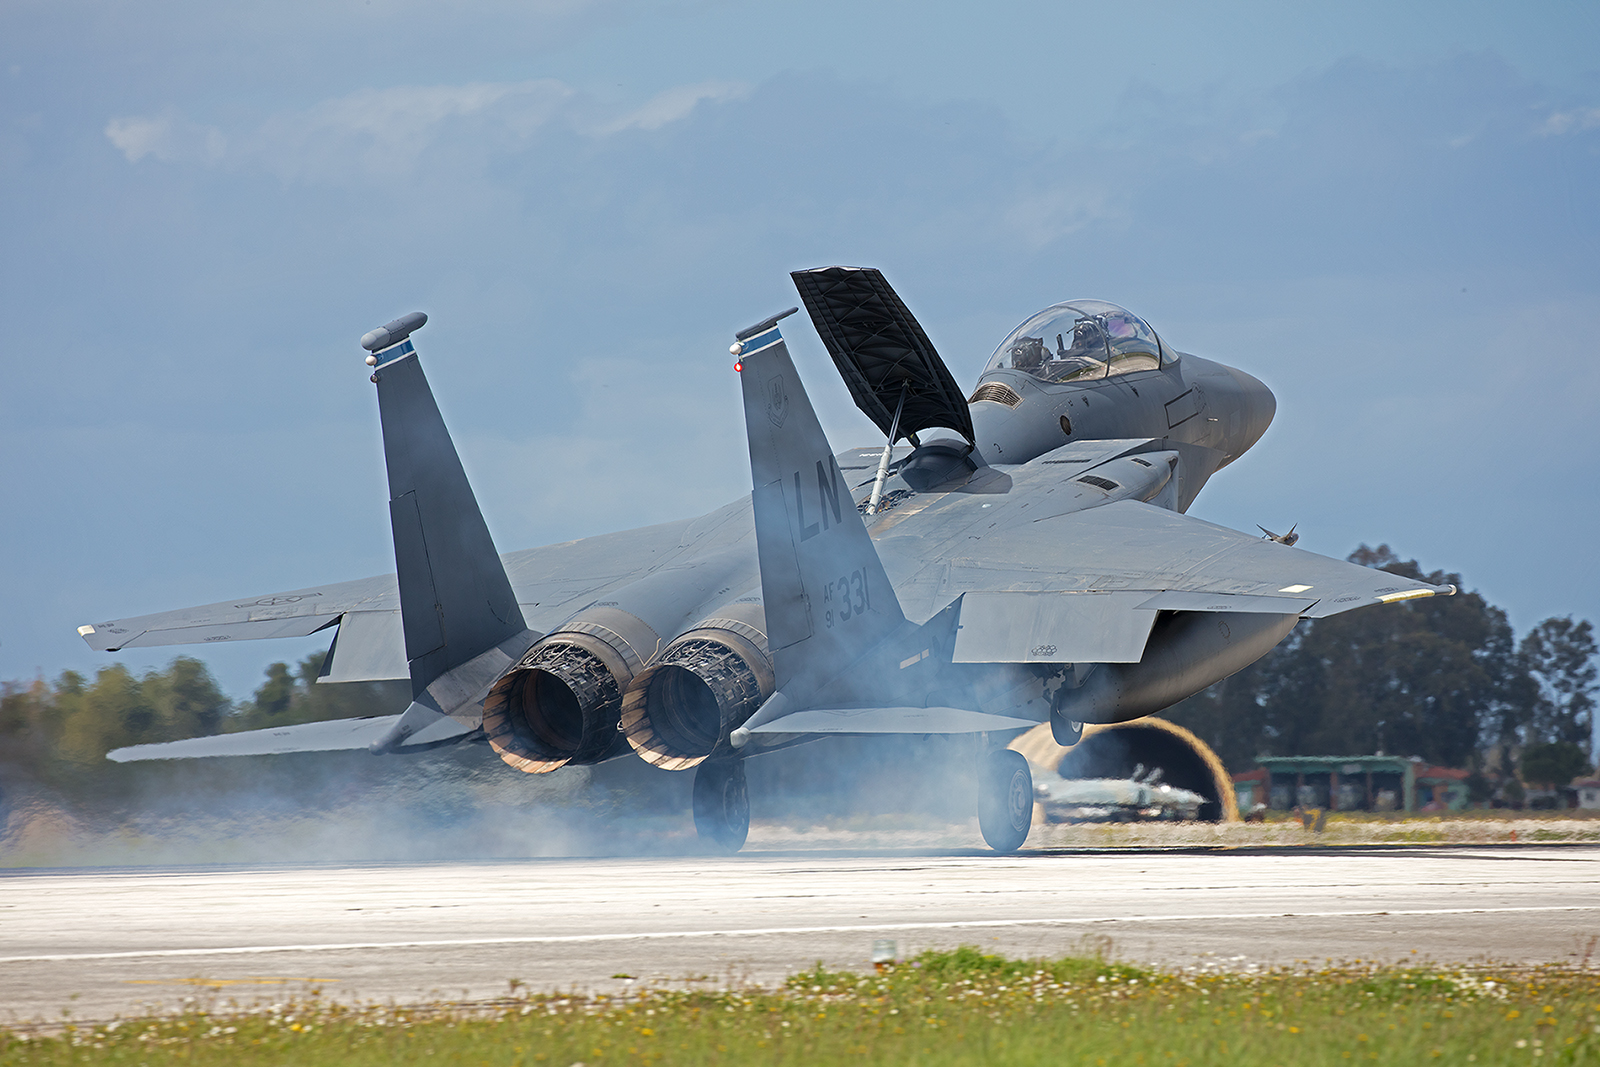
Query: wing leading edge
x,y
1129,562
296,613
1131,546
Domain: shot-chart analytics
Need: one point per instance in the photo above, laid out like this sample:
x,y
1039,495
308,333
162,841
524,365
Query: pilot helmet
x,y
1027,353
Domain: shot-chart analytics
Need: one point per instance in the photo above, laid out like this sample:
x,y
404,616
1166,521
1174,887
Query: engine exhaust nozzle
x,y
562,702
709,681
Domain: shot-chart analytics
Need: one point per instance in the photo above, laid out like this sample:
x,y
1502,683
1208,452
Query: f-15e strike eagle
x,y
1022,558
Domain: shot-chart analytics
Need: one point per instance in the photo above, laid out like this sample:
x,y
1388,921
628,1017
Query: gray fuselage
x,y
1190,400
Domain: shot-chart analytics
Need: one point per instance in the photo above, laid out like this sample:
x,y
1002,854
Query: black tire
x,y
722,804
1066,732
1005,800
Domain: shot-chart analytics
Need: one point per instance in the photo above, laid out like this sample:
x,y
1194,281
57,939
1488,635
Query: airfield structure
x,y
1352,783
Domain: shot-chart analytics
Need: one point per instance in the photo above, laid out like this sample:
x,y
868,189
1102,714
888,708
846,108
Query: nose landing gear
x,y
1065,732
1005,800
722,803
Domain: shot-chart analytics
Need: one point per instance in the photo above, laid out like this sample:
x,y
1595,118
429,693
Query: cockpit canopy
x,y
1081,340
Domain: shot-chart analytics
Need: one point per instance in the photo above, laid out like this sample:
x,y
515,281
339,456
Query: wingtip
x,y
91,638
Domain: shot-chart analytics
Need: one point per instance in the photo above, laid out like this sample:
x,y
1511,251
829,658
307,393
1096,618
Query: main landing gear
x,y
1005,799
1005,802
722,803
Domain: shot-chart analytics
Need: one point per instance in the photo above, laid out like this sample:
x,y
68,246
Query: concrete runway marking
x,y
769,931
209,982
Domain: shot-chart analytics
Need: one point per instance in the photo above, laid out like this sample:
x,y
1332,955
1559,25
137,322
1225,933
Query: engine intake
x,y
708,682
1187,651
562,702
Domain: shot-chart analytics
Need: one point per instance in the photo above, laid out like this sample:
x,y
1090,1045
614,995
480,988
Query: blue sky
x,y
1390,216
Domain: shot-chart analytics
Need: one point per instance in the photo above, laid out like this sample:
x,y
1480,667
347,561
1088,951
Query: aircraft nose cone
x,y
1259,405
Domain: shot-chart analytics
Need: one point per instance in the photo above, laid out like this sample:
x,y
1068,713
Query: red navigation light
x,y
739,367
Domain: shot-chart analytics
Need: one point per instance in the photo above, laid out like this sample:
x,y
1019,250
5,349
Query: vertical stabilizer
x,y
455,600
828,600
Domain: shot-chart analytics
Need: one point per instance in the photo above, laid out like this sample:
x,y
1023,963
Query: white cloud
x,y
1562,122
674,104
398,116
136,137
375,131
167,138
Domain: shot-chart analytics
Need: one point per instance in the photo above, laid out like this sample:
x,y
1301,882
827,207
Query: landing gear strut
x,y
1005,800
722,803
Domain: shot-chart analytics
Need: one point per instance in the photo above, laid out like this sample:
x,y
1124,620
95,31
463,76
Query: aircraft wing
x,y
1180,562
550,582
293,614
1086,586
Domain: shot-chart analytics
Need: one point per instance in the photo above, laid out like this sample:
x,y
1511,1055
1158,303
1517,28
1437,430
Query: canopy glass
x,y
1081,340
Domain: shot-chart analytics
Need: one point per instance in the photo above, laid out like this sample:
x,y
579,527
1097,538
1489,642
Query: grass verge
x,y
956,1007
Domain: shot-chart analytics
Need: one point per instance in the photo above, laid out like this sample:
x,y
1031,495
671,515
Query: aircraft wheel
x,y
1005,800
1066,732
722,804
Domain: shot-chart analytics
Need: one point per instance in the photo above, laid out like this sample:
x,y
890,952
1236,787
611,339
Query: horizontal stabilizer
x,y
891,721
333,736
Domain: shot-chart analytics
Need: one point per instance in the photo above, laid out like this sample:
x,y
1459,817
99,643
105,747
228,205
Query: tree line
x,y
1443,678
76,720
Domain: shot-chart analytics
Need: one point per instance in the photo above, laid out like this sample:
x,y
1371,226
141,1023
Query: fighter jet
x,y
1291,538
1141,797
1015,556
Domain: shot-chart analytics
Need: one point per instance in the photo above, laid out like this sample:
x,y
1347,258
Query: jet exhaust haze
x,y
1036,568
459,804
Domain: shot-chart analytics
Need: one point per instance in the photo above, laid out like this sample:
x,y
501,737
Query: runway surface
x,y
110,940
